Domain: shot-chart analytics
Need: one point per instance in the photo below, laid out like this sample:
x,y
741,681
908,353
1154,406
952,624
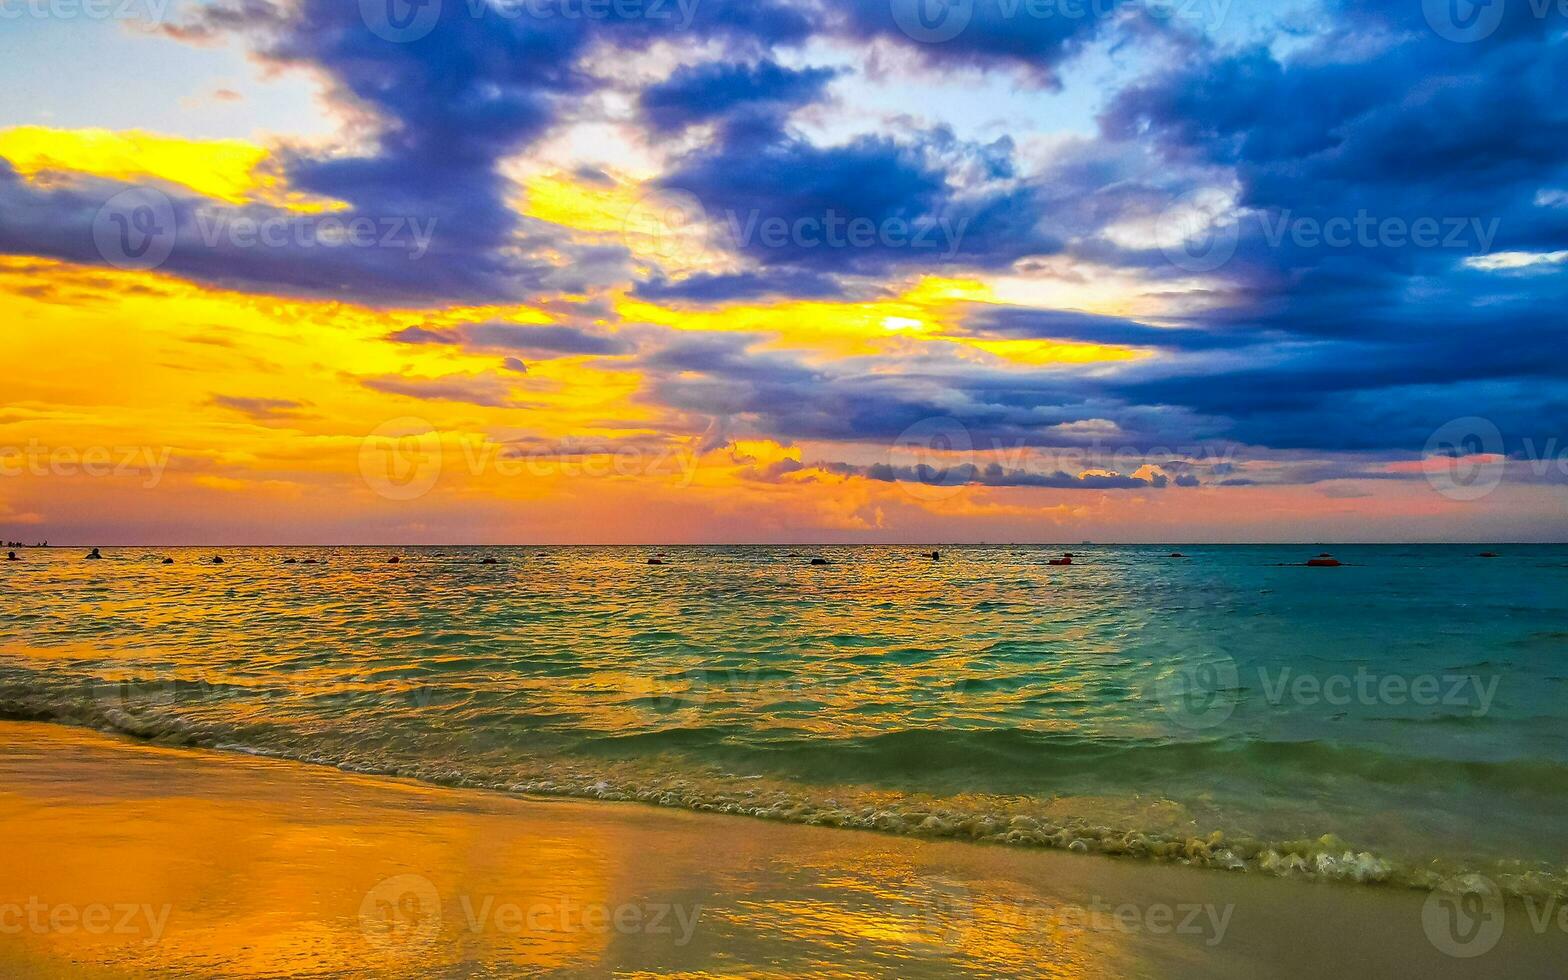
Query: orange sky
x,y
143,408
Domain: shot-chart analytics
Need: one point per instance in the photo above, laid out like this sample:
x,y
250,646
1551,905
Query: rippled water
x,y
1398,719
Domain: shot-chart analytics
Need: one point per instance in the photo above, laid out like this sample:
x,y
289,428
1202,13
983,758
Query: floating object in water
x,y
1177,554
1064,560
394,560
1325,555
309,561
935,556
1489,554
655,561
217,559
489,561
819,561
1325,561
94,556
11,556
168,561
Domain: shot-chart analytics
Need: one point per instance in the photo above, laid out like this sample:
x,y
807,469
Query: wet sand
x,y
123,859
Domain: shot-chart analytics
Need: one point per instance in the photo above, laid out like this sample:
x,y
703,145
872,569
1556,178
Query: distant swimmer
x,y
217,559
11,556
168,561
935,556
394,560
94,555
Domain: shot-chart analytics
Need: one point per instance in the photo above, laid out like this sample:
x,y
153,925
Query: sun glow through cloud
x,y
784,293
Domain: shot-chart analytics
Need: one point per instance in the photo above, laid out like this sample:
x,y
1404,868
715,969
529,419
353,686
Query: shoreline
x,y
1324,859
131,858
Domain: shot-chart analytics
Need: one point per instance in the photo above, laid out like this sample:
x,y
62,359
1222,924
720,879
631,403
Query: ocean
x,y
1400,720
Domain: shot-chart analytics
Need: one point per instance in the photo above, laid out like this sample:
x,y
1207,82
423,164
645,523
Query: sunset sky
x,y
782,270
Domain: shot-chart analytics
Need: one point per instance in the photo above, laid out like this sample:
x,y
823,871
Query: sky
x,y
709,271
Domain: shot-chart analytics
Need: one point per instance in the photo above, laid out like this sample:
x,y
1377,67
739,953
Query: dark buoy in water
x,y
11,556
94,556
168,561
819,561
394,560
217,559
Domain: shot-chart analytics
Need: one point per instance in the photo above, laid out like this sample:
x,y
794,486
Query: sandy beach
x,y
124,859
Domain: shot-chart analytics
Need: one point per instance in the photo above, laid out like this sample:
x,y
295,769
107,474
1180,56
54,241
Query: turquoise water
x,y
1398,719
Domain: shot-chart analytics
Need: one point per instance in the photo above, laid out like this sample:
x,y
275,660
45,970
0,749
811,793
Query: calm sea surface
x,y
1402,718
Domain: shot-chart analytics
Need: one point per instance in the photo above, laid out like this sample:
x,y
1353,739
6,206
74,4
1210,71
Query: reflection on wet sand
x,y
222,865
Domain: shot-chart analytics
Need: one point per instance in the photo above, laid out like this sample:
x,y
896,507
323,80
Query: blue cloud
x,y
715,91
